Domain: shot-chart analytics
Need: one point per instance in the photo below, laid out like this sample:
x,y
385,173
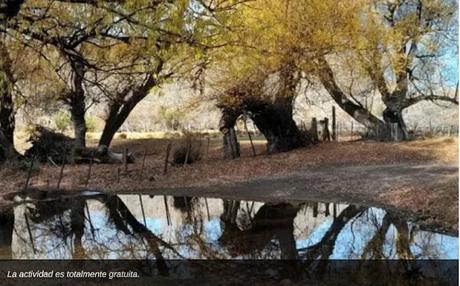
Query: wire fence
x,y
351,131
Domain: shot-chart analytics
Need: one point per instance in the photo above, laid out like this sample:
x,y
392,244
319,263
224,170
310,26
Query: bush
x,y
123,136
90,123
49,145
181,152
61,120
190,144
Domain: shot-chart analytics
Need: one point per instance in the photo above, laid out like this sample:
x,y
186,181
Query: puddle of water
x,y
99,226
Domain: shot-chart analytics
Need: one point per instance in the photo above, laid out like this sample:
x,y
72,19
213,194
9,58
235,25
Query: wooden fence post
x,y
125,160
200,144
61,173
249,135
334,125
326,133
142,209
29,172
207,148
207,208
168,218
143,164
314,129
168,150
339,130
351,132
187,153
30,232
326,212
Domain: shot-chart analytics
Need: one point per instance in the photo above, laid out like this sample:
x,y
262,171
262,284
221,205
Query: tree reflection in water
x,y
162,228
271,222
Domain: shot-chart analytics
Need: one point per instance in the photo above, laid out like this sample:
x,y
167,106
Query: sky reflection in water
x,y
139,227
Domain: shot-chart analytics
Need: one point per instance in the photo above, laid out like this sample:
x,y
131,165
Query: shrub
x,y
123,136
61,120
190,144
90,123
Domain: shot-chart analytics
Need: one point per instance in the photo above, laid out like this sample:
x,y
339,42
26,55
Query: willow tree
x,y
399,47
9,11
78,49
280,45
316,34
267,98
114,54
406,47
261,75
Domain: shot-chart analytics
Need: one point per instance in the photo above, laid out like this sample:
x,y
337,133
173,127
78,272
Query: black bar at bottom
x,y
228,272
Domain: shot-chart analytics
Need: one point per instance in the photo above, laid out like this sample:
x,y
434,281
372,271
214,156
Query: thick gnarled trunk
x,y
395,117
275,121
271,111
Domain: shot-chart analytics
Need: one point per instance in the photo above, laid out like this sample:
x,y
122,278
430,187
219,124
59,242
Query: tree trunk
x,y
275,121
7,121
394,115
111,127
377,128
324,248
403,239
396,100
121,107
77,103
226,126
231,145
77,112
77,228
117,116
8,10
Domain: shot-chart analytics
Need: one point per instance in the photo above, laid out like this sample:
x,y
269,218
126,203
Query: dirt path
x,y
426,192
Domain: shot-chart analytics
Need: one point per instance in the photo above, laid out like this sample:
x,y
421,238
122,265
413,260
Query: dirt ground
x,y
419,178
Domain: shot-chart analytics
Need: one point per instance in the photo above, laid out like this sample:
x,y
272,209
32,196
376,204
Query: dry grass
x,y
212,169
443,149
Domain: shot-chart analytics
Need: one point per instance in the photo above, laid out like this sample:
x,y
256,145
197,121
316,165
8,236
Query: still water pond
x,y
99,226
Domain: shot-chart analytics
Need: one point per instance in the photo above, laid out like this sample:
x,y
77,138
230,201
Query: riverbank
x,y
419,177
